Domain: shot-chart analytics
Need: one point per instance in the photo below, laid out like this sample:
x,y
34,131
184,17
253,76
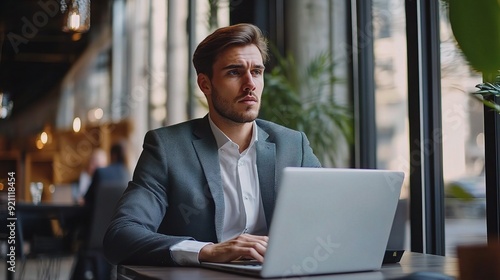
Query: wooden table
x,y
410,263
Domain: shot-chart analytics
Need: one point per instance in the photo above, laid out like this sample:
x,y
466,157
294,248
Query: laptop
x,y
327,220
397,238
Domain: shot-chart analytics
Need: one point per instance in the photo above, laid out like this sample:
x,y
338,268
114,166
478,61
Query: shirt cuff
x,y
186,252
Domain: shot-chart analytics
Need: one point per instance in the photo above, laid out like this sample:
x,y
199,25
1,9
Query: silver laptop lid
x,y
331,220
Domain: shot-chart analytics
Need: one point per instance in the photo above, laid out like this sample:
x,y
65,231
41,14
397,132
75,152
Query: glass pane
x,y
463,147
391,100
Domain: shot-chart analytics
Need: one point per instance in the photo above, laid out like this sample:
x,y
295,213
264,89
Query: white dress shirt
x,y
84,183
243,210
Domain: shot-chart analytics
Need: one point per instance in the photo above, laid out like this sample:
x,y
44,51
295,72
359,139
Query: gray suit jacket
x,y
176,191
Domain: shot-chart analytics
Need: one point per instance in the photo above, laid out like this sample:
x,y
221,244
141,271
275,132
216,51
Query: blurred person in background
x,y
115,173
97,159
107,182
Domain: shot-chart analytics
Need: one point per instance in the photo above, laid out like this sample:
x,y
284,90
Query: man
x,y
115,173
204,190
97,160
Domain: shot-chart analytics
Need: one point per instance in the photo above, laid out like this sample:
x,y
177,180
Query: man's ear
x,y
204,83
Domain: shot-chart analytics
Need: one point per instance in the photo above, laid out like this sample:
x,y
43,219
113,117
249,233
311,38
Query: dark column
x,y
424,102
492,171
268,15
363,84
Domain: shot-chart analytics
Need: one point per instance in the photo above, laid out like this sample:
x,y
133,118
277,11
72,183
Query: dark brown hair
x,y
235,35
118,152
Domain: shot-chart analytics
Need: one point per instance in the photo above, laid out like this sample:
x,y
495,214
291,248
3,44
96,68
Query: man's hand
x,y
243,246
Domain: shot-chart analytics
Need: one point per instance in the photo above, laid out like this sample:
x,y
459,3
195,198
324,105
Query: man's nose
x,y
248,83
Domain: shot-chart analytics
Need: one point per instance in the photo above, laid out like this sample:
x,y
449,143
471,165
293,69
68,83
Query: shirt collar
x,y
222,139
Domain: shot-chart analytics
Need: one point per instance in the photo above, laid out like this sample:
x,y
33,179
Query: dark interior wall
x,y
268,15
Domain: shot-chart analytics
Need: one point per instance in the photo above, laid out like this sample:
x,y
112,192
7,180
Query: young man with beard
x,y
204,190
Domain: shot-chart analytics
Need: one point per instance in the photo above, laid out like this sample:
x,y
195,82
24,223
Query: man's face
x,y
235,90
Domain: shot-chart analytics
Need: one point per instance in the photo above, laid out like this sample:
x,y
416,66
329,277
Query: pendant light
x,y
76,15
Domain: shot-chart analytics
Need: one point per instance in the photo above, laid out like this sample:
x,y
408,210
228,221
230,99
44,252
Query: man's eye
x,y
257,72
233,72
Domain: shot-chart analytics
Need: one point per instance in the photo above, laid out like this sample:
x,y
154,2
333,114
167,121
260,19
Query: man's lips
x,y
248,99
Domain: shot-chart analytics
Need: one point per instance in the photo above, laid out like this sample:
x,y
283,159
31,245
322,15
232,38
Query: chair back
x,y
107,196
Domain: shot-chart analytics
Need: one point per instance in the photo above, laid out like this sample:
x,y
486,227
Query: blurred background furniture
x,y
91,263
46,232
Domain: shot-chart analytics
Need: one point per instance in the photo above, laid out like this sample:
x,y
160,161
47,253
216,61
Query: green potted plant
x,y
476,28
488,90
301,98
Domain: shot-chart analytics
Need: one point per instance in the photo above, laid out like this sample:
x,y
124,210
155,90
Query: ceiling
x,y
35,52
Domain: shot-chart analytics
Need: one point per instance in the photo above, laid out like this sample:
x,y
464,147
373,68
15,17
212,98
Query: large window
x,y
463,146
462,126
391,93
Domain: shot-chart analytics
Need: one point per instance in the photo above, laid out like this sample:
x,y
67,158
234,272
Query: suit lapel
x,y
207,151
266,157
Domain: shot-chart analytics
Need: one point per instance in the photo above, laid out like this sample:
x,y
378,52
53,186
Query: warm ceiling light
x,y
39,144
95,114
74,21
98,113
44,137
77,124
76,15
76,36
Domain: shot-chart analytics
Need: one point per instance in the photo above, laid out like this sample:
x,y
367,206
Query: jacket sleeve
x,y
132,237
309,159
